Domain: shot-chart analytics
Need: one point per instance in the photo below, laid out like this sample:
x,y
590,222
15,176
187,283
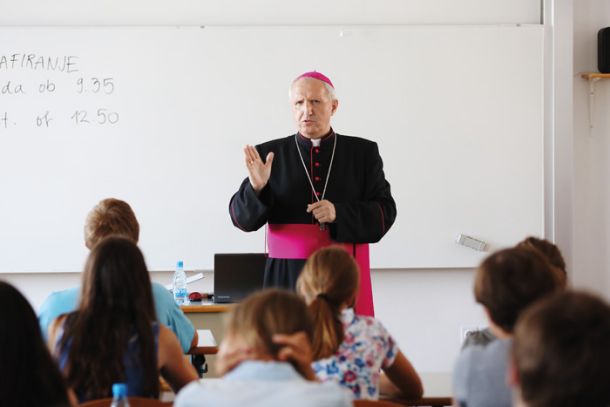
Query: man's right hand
x,y
258,171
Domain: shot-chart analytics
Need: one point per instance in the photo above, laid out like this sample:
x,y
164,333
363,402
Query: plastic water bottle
x,y
180,292
119,395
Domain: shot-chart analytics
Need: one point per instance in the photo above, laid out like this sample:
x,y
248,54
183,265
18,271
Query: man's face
x,y
312,107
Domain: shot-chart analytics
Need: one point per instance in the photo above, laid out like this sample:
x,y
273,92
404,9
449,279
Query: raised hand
x,y
258,171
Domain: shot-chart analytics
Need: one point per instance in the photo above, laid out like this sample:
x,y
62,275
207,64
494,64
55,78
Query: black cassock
x,y
365,209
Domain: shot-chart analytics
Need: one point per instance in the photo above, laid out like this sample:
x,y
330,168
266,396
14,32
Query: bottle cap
x,y
119,389
180,264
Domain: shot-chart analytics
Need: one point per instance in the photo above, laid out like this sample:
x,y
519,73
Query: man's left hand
x,y
323,211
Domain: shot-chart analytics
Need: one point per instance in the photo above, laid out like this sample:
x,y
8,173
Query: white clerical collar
x,y
316,142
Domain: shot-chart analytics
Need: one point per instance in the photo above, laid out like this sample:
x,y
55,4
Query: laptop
x,y
236,275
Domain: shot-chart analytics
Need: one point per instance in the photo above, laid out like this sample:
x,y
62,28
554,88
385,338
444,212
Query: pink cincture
x,y
299,241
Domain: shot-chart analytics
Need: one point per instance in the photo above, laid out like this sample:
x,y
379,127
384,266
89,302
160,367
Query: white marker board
x,y
158,116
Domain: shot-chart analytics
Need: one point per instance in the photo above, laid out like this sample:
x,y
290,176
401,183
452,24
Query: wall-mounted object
x,y
593,77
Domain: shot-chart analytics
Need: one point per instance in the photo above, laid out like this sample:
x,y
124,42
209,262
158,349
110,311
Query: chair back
x,y
133,402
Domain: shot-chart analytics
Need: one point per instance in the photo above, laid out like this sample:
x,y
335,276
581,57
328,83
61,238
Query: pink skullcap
x,y
315,75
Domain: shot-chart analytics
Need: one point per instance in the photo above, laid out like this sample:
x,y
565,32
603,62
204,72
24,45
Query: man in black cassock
x,y
315,188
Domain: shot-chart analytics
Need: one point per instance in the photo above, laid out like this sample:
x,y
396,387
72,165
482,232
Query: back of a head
x,y
24,358
550,252
111,217
266,313
330,279
508,281
116,304
116,280
561,352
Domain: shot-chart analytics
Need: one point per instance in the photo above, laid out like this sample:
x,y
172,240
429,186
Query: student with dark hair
x,y
552,254
29,376
114,336
561,353
113,217
506,283
348,348
257,369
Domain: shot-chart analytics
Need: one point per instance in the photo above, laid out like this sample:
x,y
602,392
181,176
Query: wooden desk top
x,y
205,307
206,345
437,391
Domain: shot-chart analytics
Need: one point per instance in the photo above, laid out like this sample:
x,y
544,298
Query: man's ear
x,y
335,105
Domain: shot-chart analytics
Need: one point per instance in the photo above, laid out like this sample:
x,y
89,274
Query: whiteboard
x,y
158,116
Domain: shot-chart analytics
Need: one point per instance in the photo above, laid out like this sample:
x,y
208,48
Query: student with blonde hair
x,y
113,217
561,353
348,348
257,369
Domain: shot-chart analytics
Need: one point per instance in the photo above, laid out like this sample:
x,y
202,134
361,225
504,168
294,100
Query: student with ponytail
x,y
349,348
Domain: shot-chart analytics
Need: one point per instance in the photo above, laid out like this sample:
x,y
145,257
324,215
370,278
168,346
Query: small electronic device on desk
x,y
237,275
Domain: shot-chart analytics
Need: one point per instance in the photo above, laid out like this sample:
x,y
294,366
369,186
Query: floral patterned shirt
x,y
366,349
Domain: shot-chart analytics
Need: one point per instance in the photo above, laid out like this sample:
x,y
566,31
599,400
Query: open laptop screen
x,y
236,275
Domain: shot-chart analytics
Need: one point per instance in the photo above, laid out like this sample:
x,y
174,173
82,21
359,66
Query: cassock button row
x,y
317,178
318,193
317,150
317,164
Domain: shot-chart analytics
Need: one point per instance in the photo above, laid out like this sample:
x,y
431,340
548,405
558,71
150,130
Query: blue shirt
x,y
480,376
168,313
263,384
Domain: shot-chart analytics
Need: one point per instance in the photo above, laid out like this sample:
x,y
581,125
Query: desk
x,y
437,391
207,315
206,344
205,307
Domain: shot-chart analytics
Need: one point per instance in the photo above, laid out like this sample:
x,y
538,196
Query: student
x,y
29,376
255,371
113,336
561,353
506,283
552,254
113,217
350,349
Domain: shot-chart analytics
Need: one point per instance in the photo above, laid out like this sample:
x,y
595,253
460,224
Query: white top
x,y
205,338
367,348
264,384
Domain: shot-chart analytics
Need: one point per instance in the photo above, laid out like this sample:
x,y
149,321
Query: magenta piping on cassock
x,y
299,241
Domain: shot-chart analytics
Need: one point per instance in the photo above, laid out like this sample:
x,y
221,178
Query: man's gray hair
x,y
329,89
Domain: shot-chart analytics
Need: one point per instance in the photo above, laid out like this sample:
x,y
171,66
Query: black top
x,y
357,187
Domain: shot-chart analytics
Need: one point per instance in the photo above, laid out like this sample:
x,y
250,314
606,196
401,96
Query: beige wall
x,y
591,154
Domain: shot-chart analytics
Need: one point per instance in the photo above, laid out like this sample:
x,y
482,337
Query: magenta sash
x,y
298,241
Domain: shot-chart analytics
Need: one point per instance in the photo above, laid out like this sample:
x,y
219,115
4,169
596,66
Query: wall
x,y
197,12
591,155
424,309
